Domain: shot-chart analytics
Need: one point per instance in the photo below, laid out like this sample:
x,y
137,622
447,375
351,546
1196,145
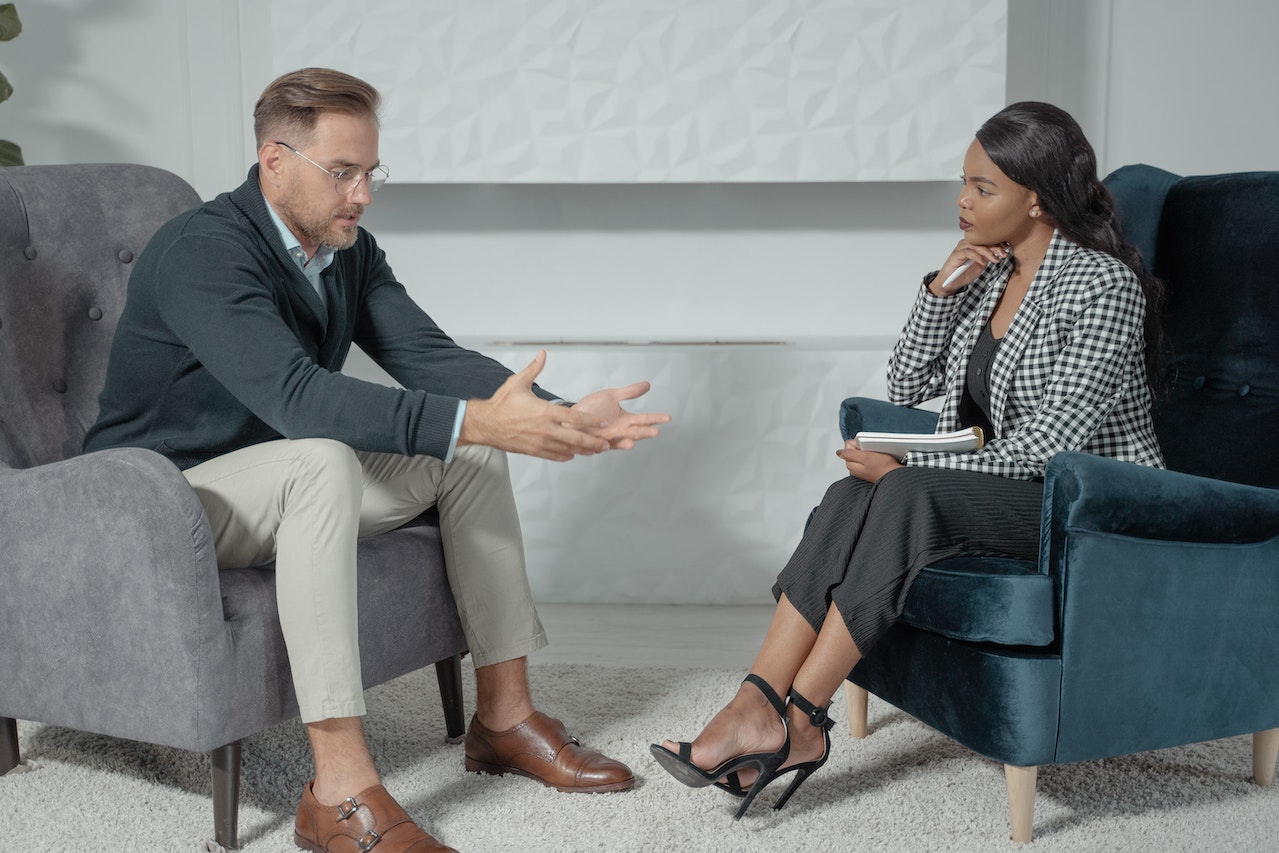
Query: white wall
x,y
1175,83
100,82
1193,85
1182,85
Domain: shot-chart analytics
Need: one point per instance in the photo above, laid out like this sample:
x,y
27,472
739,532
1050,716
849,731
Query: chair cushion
x,y
984,600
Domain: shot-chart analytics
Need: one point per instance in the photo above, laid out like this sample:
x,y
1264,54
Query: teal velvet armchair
x,y
1150,619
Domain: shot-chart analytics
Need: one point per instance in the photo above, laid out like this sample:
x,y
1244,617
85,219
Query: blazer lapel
x,y
964,339
1024,327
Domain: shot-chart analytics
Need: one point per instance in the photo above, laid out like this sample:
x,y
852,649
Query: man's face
x,y
307,199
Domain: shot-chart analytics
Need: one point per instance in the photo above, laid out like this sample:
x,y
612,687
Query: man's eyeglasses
x,y
349,178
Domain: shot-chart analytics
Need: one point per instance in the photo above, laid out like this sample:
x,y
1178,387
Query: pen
x,y
960,270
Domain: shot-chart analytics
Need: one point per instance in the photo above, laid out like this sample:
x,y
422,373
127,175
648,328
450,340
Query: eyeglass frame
x,y
377,176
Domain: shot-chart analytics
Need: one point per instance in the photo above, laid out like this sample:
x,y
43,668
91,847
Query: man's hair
x,y
292,104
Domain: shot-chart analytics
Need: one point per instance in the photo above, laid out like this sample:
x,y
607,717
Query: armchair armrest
x,y
108,557
866,413
1083,491
1165,586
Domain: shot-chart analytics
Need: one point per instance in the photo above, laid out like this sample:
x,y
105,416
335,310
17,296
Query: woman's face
x,y
993,208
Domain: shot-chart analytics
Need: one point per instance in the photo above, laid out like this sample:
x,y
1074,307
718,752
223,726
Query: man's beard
x,y
319,227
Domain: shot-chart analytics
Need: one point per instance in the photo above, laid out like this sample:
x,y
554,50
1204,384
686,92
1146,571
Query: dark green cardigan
x,y
223,343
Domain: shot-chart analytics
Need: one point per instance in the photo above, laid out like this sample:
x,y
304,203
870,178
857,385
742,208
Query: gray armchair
x,y
114,617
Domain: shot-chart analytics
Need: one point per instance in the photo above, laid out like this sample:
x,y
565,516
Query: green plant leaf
x,y
10,26
5,89
10,154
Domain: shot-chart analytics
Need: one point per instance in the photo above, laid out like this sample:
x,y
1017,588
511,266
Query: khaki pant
x,y
304,503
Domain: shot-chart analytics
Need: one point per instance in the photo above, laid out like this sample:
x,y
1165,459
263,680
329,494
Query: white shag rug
x,y
905,788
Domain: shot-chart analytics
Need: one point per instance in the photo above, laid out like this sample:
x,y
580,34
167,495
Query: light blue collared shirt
x,y
312,269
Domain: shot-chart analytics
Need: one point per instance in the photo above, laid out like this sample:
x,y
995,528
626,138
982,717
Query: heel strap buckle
x,y
816,715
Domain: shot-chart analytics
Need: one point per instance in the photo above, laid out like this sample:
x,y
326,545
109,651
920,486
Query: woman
x,y
1044,340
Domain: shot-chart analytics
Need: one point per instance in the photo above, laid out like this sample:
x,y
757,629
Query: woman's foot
x,y
749,724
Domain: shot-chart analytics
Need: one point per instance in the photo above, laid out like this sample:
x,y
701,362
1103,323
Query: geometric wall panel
x,y
608,91
708,512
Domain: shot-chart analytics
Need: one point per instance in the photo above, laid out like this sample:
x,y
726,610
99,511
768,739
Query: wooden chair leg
x,y
1021,800
449,673
9,755
226,794
858,700
1265,751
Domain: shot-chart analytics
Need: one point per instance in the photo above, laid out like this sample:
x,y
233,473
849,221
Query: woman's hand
x,y
980,256
867,464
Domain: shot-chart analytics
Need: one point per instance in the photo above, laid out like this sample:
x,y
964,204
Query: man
x,y
239,316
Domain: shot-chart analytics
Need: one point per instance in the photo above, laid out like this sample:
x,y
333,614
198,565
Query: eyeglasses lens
x,y
348,179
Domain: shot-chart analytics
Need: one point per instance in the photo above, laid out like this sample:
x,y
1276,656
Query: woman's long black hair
x,y
1042,147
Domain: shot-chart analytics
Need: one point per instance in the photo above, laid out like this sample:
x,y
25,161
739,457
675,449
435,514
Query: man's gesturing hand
x,y
517,420
622,428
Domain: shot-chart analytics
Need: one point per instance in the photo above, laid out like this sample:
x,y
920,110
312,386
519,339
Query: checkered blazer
x,y
1069,374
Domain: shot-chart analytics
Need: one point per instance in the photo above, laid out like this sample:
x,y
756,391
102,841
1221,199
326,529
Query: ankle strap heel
x,y
816,715
769,693
765,764
819,718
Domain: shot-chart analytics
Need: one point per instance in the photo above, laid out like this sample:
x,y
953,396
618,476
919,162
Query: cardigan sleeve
x,y
219,301
406,342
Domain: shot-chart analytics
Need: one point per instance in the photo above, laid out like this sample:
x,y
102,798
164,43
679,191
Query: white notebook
x,y
900,443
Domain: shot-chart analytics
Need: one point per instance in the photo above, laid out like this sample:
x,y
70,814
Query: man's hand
x,y
622,428
867,464
517,420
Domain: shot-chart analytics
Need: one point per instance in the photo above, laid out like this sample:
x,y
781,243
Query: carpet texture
x,y
904,788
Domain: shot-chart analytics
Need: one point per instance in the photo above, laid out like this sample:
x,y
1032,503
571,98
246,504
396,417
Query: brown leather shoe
x,y
541,749
370,821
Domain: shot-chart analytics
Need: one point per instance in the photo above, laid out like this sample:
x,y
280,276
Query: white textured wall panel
x,y
550,91
708,512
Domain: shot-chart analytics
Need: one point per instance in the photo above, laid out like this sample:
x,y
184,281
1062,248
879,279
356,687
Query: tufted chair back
x,y
1219,259
68,238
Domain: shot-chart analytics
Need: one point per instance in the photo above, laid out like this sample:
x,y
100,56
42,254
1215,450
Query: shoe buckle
x,y
369,840
347,807
818,716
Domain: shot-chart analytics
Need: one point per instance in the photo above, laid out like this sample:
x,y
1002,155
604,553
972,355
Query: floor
x,y
653,635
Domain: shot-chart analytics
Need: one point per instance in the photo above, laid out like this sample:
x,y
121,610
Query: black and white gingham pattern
x,y
1069,374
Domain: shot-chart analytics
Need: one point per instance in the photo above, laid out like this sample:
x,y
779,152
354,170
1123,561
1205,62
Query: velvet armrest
x,y
1083,491
866,413
1165,585
110,590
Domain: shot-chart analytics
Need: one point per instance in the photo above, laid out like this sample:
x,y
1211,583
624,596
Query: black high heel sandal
x,y
681,766
818,717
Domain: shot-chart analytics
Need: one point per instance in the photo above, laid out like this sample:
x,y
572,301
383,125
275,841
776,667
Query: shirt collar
x,y
323,255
